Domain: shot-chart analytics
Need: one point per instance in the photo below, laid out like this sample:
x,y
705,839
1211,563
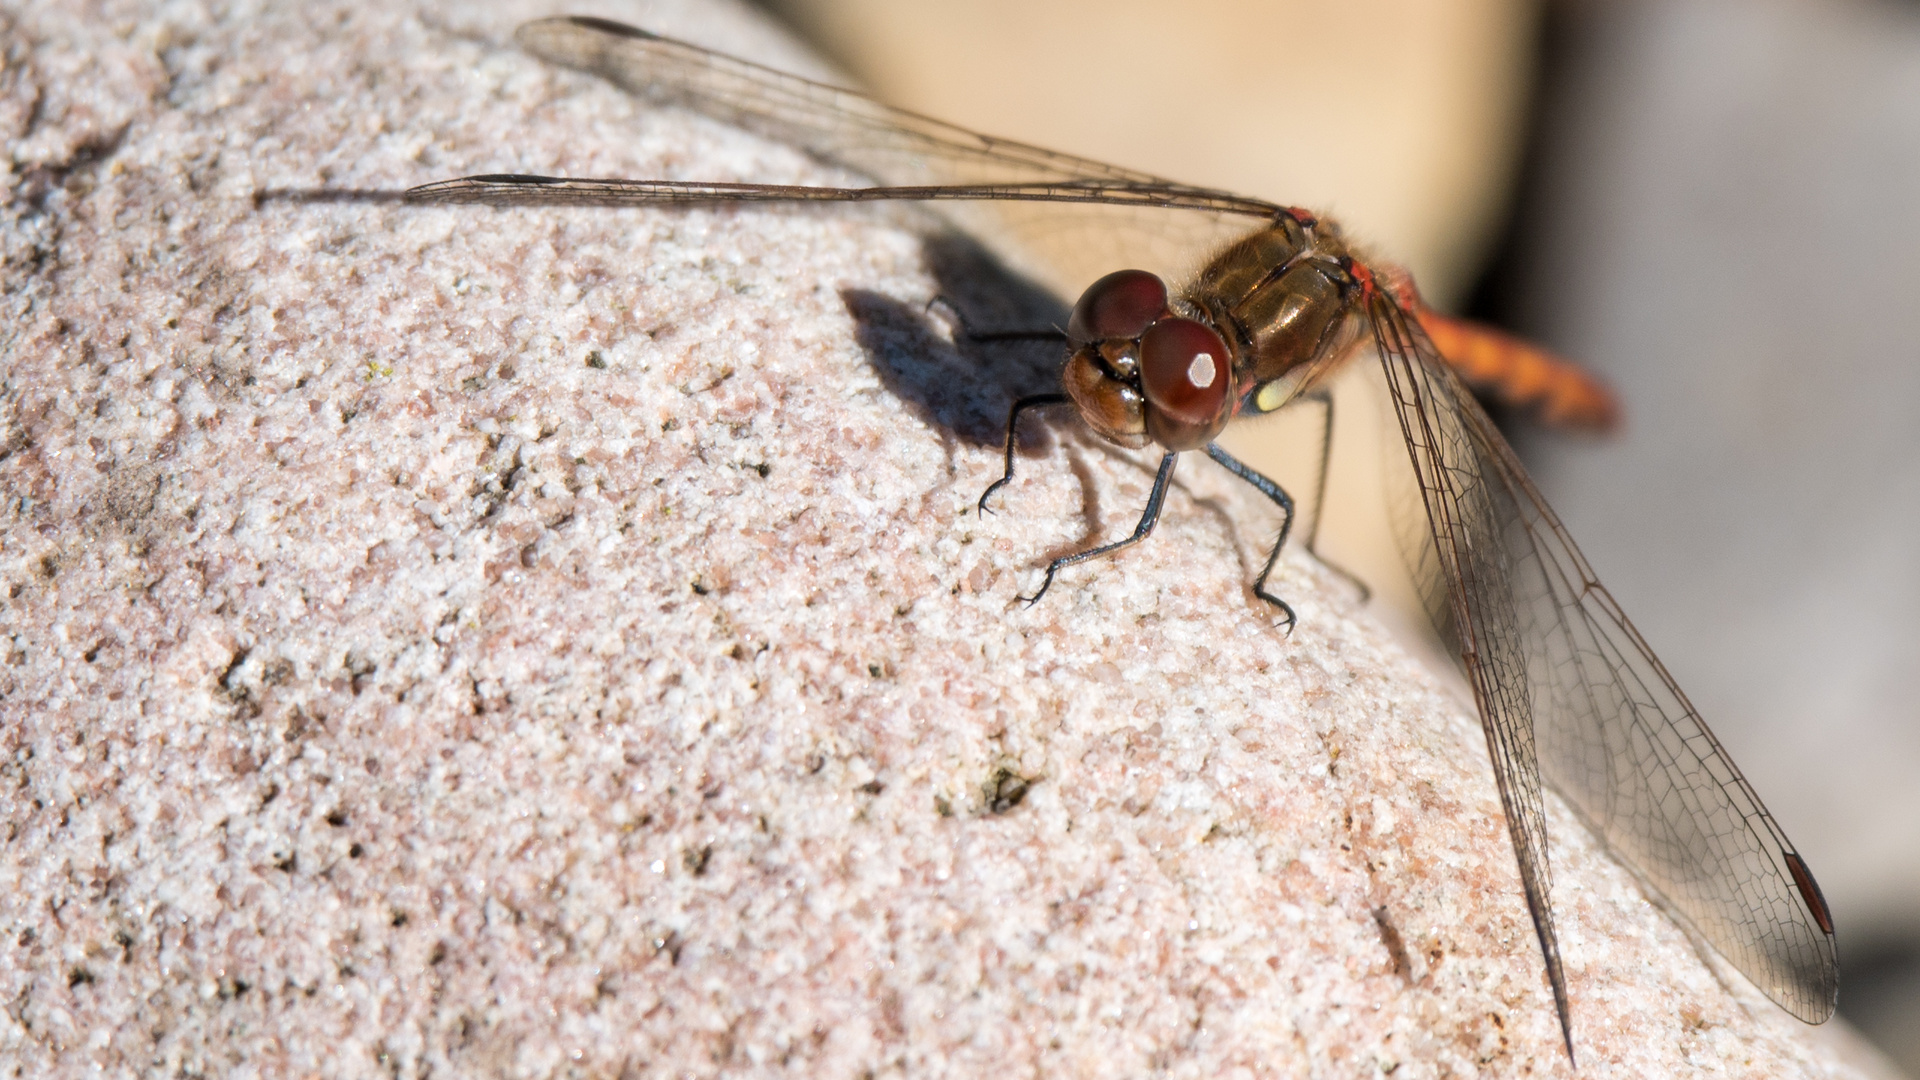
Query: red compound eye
x,y
1121,305
1184,370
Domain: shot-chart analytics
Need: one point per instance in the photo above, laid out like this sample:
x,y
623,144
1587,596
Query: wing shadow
x,y
937,357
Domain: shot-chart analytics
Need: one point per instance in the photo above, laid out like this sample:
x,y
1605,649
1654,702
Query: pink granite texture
x,y
530,643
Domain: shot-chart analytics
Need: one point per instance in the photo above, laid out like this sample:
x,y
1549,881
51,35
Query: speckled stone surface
x,y
538,643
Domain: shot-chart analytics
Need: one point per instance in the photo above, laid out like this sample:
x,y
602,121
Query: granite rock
x,y
534,643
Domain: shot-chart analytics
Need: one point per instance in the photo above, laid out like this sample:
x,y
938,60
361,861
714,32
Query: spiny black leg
x,y
1147,521
960,317
1031,401
1281,499
1320,495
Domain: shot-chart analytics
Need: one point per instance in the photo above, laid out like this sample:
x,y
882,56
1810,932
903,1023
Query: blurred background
x,y
1710,202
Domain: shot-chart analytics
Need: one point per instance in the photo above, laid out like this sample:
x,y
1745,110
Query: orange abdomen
x,y
1526,376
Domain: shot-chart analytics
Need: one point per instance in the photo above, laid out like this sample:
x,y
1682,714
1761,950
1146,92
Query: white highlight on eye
x,y
1200,373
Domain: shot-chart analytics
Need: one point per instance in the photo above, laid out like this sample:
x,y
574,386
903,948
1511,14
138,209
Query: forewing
x,y
848,128
1148,221
1474,523
1562,678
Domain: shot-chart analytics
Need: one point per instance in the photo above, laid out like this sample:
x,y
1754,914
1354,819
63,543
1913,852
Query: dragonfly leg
x,y
1325,400
1148,520
1031,401
1280,498
966,328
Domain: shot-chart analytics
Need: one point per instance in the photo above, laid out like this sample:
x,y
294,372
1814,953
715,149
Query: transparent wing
x,y
516,188
1122,215
845,127
1566,686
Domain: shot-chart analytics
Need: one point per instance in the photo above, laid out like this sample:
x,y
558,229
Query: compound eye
x,y
1184,370
1121,305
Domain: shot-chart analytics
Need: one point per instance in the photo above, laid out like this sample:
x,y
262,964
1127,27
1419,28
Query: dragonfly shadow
x,y
952,360
991,338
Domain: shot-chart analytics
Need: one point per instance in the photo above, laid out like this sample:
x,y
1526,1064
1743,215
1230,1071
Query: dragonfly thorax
x,y
1282,297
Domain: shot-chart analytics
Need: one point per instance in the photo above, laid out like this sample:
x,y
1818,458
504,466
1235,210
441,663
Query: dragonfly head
x,y
1141,373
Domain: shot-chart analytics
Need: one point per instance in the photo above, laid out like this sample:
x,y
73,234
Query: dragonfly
x,y
1568,693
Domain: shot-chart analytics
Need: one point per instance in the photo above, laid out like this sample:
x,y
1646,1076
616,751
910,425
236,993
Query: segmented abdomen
x,y
1521,374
